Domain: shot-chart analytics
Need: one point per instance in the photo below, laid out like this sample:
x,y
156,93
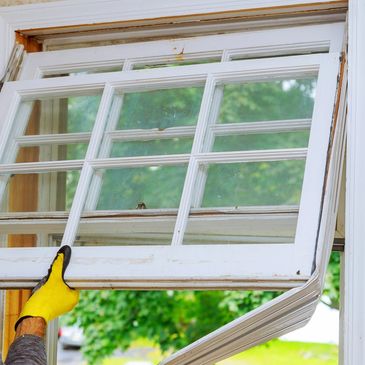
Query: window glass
x,y
261,141
154,147
152,187
160,108
51,191
253,184
264,101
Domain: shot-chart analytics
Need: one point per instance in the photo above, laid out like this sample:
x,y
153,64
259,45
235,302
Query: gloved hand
x,y
52,296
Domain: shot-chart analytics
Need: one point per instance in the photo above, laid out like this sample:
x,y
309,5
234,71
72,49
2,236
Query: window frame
x,y
259,325
292,40
268,273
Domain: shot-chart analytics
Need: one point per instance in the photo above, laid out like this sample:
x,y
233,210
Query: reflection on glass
x,y
75,151
143,234
58,115
160,108
39,192
176,62
253,184
264,101
141,188
86,71
261,141
20,238
153,147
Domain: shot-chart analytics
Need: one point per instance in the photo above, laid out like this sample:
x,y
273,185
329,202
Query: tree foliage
x,y
172,319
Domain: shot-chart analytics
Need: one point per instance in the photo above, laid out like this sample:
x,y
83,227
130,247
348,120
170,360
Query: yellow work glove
x,y
52,296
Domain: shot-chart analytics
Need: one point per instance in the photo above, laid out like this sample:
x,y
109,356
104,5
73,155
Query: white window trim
x,y
353,283
45,16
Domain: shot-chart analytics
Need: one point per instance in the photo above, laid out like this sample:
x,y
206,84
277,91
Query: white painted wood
x,y
208,142
56,139
106,146
354,284
192,171
252,156
144,264
73,12
276,126
52,342
301,252
87,171
316,159
314,38
40,167
169,77
221,223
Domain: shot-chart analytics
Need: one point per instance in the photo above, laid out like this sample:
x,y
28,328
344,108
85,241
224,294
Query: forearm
x,y
27,350
28,347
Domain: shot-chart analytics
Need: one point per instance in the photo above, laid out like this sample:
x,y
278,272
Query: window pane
x,y
58,115
85,71
147,230
253,184
27,237
160,108
75,151
264,101
145,200
154,147
52,191
175,62
261,141
239,228
141,188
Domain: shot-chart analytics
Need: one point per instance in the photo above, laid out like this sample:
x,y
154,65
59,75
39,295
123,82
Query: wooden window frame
x,y
268,273
247,44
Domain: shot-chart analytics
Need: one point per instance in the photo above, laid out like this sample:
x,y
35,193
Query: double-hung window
x,y
190,163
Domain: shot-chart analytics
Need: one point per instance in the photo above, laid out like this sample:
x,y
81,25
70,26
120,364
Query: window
x,y
132,166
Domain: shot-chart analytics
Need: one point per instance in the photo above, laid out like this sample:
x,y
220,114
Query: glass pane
x,y
176,62
141,188
253,184
261,141
52,191
146,200
139,229
154,147
29,237
238,229
58,115
52,153
160,108
85,71
264,101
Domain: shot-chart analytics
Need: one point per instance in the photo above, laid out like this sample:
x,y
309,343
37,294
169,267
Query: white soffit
x,y
43,17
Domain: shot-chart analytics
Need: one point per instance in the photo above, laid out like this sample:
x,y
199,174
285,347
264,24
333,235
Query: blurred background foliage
x,y
172,319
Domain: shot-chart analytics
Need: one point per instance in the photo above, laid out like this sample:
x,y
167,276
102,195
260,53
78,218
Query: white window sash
x,y
301,40
278,273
